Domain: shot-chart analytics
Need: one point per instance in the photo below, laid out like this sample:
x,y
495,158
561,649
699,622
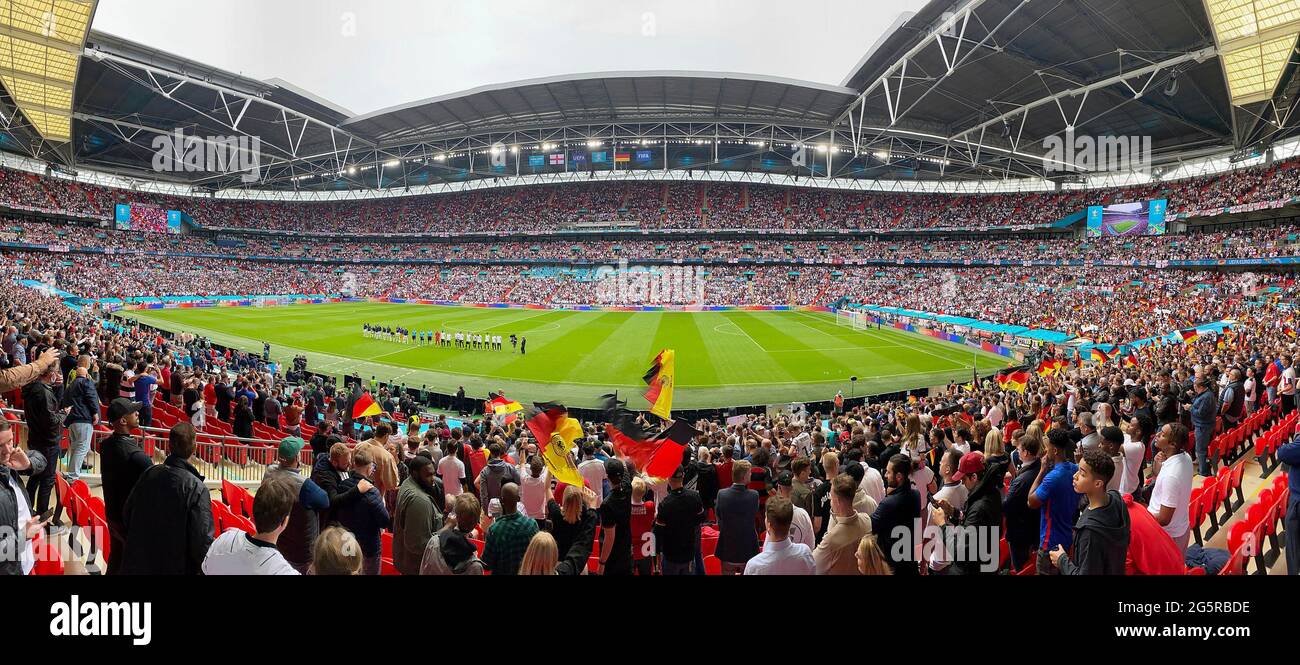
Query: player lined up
x,y
441,338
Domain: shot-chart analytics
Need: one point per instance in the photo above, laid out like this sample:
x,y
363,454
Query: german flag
x,y
660,380
555,432
365,406
1101,357
1131,360
1189,336
1017,381
658,455
504,410
1288,331
1050,367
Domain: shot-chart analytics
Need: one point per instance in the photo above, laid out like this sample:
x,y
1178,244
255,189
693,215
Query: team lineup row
x,y
460,340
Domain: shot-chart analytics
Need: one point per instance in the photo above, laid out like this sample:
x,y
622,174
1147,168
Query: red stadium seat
x,y
712,565
1239,537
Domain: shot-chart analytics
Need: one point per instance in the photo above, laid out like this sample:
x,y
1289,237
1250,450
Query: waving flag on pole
x,y
1189,336
660,380
505,410
658,455
555,432
365,406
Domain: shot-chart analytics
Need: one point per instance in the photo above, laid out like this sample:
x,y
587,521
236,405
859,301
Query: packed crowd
x,y
1087,472
656,205
1111,305
1249,243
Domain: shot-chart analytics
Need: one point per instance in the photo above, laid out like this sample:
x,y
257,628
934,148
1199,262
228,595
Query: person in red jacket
x,y
1150,550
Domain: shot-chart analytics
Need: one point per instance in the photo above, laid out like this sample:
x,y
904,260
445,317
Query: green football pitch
x,y
723,358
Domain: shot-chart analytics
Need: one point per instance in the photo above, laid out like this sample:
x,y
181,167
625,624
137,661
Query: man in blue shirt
x,y
144,386
1053,491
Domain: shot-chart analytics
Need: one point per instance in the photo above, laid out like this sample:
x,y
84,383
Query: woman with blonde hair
x,y
993,444
543,554
566,519
871,561
337,553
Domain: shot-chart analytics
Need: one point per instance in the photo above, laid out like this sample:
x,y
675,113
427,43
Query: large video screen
x,y
147,218
1127,219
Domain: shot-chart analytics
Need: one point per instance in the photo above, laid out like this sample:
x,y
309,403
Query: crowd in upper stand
x,y
654,205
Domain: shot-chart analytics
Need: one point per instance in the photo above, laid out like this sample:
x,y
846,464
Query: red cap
x,y
970,463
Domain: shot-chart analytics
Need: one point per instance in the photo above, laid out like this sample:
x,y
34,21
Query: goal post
x,y
846,317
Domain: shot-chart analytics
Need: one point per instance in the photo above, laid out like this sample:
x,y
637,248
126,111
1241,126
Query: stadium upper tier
x,y
658,205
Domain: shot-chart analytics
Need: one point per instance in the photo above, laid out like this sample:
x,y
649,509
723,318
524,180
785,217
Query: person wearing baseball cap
x,y
122,461
297,540
983,512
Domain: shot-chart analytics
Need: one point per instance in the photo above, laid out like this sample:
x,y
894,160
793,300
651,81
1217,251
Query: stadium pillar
x,y
830,155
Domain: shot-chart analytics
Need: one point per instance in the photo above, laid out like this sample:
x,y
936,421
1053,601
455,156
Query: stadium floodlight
x,y
392,163
594,144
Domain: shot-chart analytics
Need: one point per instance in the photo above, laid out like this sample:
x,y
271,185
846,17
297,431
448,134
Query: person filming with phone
x,y
16,517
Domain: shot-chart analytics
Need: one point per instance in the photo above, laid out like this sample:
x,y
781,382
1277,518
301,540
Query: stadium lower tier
x,y
1107,305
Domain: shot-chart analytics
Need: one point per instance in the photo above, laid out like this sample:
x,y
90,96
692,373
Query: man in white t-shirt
x,y
1172,493
952,491
451,470
995,416
1128,455
592,470
239,553
1250,387
535,484
801,527
923,480
1286,388
802,440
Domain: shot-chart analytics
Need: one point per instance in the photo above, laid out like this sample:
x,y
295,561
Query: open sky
x,y
369,55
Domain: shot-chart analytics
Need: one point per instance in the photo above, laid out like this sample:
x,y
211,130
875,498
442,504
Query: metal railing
x,y
217,456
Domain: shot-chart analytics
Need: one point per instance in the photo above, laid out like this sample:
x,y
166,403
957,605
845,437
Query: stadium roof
x,y
608,97
960,90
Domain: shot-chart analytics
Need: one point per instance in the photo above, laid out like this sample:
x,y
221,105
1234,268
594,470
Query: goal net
x,y
853,319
